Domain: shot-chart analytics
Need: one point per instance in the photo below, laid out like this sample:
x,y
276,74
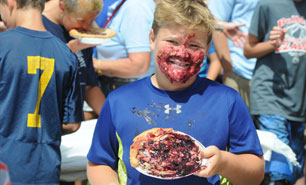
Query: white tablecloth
x,y
74,148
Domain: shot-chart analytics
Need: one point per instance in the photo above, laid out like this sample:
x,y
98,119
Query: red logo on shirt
x,y
295,38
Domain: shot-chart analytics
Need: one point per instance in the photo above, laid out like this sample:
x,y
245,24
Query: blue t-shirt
x,y
39,90
204,69
102,17
132,24
208,111
236,11
87,73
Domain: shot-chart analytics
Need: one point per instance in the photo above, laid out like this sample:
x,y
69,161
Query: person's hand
x,y
232,31
277,36
213,164
75,45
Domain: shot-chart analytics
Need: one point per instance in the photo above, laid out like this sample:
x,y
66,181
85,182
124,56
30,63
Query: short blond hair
x,y
193,14
38,4
77,6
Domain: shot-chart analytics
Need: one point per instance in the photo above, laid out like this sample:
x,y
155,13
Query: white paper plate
x,y
96,41
203,162
88,39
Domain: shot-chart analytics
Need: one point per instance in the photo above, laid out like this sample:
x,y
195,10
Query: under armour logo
x,y
177,109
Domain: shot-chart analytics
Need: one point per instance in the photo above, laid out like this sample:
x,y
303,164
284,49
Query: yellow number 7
x,y
47,65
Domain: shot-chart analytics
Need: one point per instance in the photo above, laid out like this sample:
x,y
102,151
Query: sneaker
x,y
282,182
266,180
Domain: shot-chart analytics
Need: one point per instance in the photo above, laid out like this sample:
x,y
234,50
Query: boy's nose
x,y
182,51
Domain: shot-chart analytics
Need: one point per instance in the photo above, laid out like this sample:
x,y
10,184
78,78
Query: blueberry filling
x,y
173,155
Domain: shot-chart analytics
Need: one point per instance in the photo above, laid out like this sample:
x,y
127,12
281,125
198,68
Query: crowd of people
x,y
216,70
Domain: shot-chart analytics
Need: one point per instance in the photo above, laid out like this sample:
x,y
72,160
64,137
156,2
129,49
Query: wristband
x,y
219,27
99,71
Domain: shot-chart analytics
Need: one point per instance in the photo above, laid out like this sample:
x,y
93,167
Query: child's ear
x,y
152,39
62,6
11,5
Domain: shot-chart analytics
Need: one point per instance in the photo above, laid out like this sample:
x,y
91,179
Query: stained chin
x,y
176,75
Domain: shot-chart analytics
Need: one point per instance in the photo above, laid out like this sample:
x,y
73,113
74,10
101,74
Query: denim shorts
x,y
292,134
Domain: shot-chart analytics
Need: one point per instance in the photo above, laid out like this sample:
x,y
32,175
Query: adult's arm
x,y
136,64
101,174
215,67
95,98
228,31
256,49
239,169
70,128
223,53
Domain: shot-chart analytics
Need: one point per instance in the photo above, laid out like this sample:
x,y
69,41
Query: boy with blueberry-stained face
x,y
176,97
180,52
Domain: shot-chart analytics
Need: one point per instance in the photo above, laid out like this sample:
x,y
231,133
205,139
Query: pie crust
x,y
93,33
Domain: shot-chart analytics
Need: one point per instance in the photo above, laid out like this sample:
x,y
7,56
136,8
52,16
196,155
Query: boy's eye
x,y
194,46
173,42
